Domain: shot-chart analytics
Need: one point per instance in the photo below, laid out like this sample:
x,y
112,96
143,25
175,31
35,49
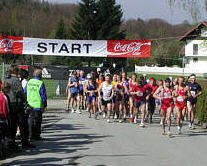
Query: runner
x,y
72,90
139,98
151,87
165,95
82,81
180,93
119,90
195,90
100,80
106,93
132,84
91,91
126,94
114,81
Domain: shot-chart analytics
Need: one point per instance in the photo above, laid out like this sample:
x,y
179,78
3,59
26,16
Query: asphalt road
x,y
73,139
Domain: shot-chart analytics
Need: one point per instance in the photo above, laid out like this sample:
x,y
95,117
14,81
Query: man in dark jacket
x,y
17,113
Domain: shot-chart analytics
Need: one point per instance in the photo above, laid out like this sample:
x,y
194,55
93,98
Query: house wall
x,y
198,63
202,48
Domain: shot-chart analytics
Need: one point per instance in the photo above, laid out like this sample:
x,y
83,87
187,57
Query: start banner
x,y
86,48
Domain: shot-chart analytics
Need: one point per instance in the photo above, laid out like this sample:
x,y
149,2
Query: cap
x,y
192,76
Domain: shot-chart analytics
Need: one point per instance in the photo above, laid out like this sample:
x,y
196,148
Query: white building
x,y
196,48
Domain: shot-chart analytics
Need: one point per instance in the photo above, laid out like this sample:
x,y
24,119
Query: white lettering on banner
x,y
6,44
133,47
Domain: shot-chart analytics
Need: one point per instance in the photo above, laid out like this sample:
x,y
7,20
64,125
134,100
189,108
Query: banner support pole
x,y
3,68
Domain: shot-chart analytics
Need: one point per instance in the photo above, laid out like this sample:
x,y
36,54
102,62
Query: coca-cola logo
x,y
6,45
129,48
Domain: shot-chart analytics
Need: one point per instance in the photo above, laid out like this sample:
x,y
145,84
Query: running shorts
x,y
181,105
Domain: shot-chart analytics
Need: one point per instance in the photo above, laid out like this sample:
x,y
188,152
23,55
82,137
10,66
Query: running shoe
x,y
108,120
73,111
142,124
169,134
120,121
115,116
189,125
135,121
124,117
79,112
89,115
163,133
178,132
104,115
95,116
161,123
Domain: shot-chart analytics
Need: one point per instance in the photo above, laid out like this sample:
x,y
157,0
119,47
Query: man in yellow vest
x,y
37,100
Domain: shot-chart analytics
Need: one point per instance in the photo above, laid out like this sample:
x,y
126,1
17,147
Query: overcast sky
x,y
146,9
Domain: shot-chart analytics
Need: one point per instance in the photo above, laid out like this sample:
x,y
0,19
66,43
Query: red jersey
x,y
3,107
131,85
150,89
166,95
181,93
141,95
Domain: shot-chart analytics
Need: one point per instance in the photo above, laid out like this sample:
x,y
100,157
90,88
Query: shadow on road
x,y
60,144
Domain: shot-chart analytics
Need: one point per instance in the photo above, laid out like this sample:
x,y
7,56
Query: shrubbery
x,y
201,107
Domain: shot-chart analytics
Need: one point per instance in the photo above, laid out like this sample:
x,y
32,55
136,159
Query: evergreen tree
x,y
60,31
98,20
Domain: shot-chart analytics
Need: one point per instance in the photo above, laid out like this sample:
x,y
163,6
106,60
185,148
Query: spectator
x,y
17,113
37,100
4,116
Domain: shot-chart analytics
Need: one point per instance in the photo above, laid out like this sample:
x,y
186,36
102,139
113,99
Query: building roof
x,y
190,32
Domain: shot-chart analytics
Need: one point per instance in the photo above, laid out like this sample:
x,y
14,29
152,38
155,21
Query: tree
x,y
192,6
60,31
98,20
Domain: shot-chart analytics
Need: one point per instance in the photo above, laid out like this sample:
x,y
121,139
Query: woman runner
x,y
119,90
165,94
181,93
132,84
107,91
139,97
91,91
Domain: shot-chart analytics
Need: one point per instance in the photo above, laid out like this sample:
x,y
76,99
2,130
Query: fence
x,y
170,70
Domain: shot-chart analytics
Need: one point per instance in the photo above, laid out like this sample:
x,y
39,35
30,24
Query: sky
x,y
147,9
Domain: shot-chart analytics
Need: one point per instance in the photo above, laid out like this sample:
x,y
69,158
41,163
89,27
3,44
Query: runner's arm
x,y
155,95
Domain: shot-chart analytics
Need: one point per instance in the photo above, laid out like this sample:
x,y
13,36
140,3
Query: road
x,y
73,139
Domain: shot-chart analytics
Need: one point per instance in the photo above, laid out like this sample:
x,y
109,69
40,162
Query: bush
x,y
201,107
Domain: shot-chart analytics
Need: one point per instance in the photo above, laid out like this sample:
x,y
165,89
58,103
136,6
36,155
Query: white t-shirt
x,y
106,91
24,83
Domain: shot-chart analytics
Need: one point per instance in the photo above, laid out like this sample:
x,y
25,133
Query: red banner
x,y
129,48
86,48
11,44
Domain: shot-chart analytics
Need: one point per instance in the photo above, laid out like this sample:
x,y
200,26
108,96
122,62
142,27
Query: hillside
x,y
35,18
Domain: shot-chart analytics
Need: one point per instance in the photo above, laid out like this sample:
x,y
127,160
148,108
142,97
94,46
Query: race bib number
x,y
193,93
180,98
140,94
167,95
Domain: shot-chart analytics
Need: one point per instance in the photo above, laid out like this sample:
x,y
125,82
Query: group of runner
x,y
120,97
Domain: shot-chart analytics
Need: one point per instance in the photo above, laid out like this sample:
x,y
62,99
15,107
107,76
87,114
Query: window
x,y
195,60
195,49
